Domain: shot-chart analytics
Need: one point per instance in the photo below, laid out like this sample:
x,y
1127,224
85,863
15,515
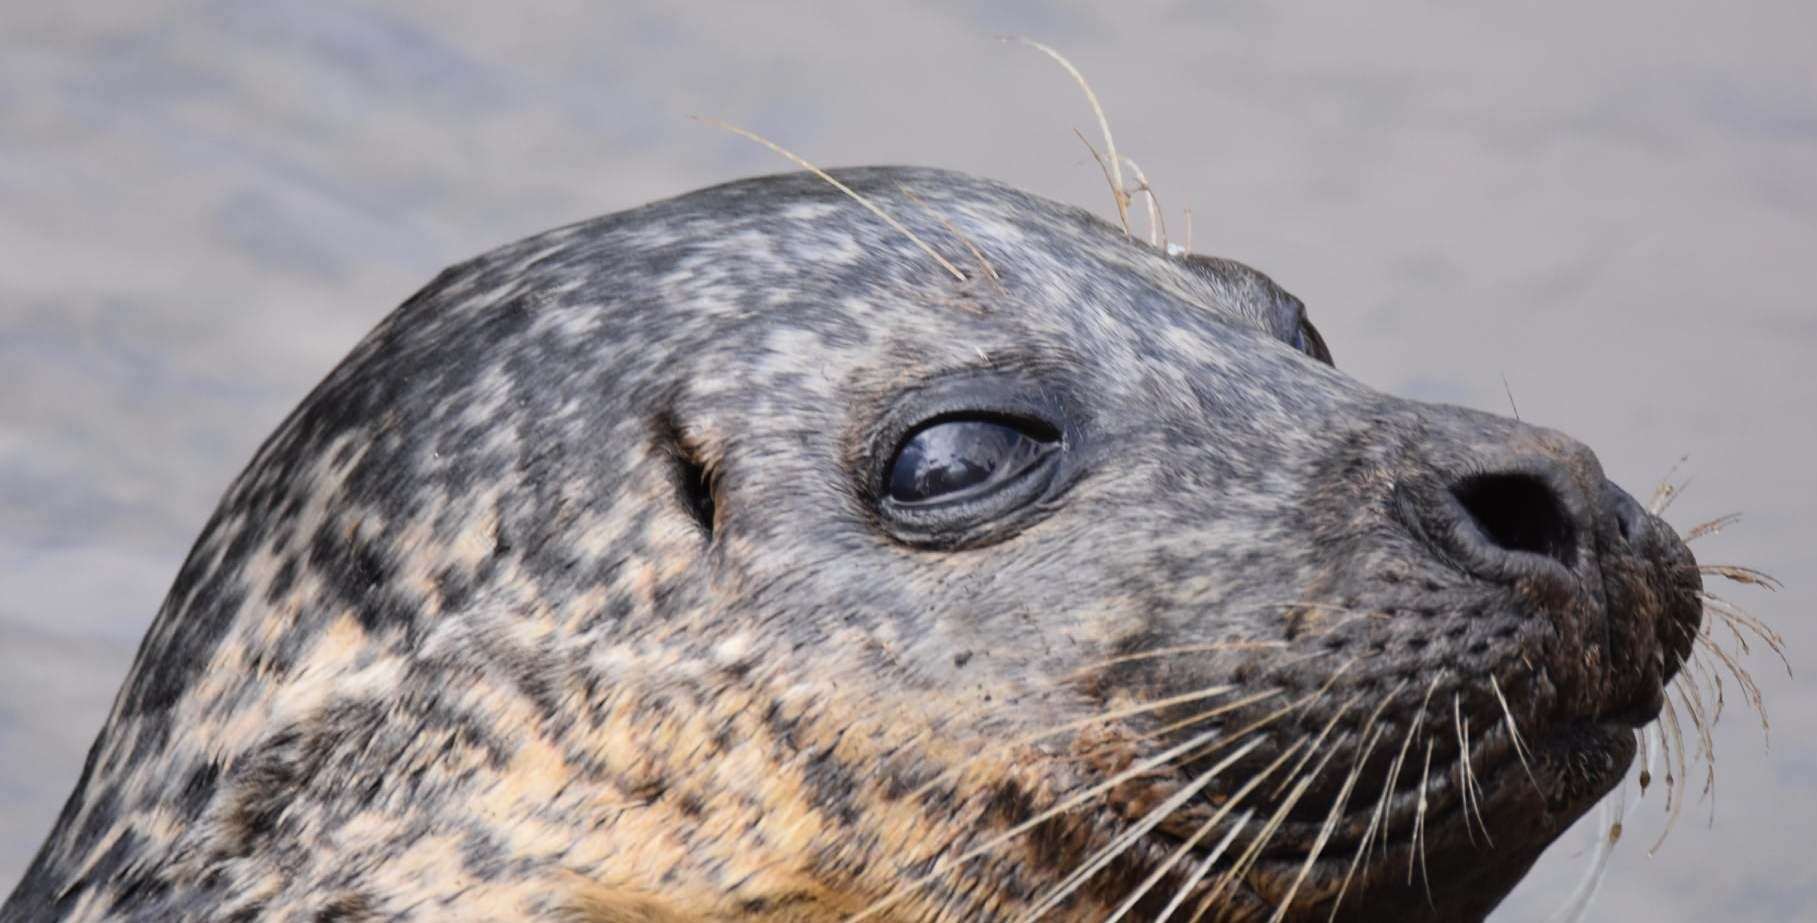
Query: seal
x,y
731,558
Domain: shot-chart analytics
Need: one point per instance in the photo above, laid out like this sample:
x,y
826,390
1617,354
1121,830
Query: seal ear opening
x,y
693,481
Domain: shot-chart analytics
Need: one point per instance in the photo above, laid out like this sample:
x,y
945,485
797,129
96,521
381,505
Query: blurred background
x,y
1610,206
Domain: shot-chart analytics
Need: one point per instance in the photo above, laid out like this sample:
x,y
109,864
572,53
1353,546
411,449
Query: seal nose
x,y
1632,522
1519,512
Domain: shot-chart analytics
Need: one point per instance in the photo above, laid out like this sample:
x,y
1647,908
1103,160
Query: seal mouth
x,y
1396,814
1349,846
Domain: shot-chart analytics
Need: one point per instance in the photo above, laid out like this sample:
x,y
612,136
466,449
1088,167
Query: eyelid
x,y
1031,426
1025,401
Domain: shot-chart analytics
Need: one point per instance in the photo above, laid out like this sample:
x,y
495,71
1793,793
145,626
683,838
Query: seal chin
x,y
1404,845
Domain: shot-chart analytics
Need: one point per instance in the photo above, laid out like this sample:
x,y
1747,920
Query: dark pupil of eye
x,y
951,457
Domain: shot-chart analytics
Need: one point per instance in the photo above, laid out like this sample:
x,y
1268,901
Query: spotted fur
x,y
566,596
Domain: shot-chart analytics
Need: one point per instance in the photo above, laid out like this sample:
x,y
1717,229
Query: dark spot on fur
x,y
282,581
263,786
347,908
355,571
691,805
763,905
198,789
833,787
129,885
1010,805
783,727
251,913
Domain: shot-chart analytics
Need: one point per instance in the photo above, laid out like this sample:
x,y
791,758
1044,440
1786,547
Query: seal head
x,y
728,558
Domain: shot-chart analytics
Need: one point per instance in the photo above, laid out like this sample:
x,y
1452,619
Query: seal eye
x,y
954,459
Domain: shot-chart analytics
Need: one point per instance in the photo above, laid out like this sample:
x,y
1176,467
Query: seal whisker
x,y
1374,717
1142,767
1370,726
872,207
1388,699
1689,696
1419,829
1579,903
1665,480
1110,143
1418,844
1736,616
1366,846
1172,651
1648,741
1207,714
1074,725
1701,668
1067,804
1300,613
1715,610
1325,831
1266,720
1675,796
1466,774
1739,574
1200,833
1317,741
1203,868
1254,850
1520,746
1463,767
1390,786
1711,527
1668,491
1743,678
1123,841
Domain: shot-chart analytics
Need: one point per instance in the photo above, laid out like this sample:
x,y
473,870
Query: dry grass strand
x,y
798,160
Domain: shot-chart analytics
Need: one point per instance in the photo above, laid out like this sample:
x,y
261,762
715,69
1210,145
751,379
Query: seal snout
x,y
1535,517
1652,587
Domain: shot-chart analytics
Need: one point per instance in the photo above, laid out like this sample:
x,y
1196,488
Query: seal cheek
x,y
594,903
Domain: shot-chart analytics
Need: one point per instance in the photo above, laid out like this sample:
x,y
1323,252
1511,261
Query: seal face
x,y
727,558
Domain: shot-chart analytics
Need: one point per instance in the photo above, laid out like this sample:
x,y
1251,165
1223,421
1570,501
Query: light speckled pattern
x,y
205,203
453,646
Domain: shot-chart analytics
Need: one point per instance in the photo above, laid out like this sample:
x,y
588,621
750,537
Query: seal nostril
x,y
1628,528
1630,518
1519,512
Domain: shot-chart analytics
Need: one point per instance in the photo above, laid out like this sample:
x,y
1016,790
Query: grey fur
x,y
472,541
